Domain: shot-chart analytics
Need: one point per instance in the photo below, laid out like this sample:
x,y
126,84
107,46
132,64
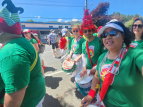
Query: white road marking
x,y
54,73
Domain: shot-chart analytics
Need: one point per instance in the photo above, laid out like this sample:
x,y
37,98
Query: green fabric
x,y
95,50
77,48
33,41
16,58
140,43
10,20
95,34
69,40
127,87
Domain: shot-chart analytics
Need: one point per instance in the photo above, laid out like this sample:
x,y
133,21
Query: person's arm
x,y
78,58
84,71
49,41
88,99
70,55
36,46
14,99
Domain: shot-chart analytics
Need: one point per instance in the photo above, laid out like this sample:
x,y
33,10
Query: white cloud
x,y
59,20
38,17
67,21
75,20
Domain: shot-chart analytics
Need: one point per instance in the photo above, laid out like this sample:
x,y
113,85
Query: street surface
x,y
60,91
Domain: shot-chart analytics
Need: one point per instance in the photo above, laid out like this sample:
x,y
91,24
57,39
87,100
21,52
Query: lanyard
x,y
109,77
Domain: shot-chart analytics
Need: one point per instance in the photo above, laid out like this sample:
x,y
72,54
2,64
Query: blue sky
x,y
68,10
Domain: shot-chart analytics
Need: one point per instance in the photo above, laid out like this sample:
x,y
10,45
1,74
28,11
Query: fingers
x,y
86,104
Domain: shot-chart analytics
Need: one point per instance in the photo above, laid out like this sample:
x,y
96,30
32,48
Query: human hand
x,y
68,58
92,71
86,101
84,72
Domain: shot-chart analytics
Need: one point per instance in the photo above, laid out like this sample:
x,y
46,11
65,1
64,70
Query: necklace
x,y
104,60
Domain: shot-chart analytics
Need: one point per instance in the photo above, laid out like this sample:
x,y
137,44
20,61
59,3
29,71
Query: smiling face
x,y
113,43
88,33
27,35
75,31
136,29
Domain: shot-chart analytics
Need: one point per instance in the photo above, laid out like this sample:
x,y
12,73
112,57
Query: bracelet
x,y
92,93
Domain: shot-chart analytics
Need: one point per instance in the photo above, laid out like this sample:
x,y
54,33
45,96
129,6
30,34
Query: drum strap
x,y
109,77
87,48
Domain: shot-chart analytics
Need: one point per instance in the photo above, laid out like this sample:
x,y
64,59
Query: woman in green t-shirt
x,y
76,49
29,36
119,71
137,29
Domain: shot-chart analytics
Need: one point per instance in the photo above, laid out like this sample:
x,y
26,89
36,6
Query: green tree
x,y
30,20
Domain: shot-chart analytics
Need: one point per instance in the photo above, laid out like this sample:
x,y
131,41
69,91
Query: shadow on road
x,y
49,69
49,101
78,94
52,82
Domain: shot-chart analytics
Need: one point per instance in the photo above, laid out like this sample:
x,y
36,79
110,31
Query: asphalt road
x,y
60,91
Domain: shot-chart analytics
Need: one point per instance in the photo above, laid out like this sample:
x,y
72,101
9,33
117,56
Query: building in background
x,y
43,29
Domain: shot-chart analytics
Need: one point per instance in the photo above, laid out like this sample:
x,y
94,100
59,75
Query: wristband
x,y
92,93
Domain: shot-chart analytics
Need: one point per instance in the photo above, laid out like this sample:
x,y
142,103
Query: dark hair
x,y
60,33
128,36
32,36
137,19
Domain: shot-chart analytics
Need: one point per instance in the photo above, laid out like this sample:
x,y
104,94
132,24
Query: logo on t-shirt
x,y
67,42
91,51
104,71
74,47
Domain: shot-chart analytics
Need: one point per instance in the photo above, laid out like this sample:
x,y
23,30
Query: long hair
x,y
32,36
137,19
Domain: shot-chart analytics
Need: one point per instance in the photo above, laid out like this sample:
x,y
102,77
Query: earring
x,y
104,48
124,45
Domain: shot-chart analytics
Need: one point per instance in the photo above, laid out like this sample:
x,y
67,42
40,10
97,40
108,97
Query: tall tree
x,y
99,14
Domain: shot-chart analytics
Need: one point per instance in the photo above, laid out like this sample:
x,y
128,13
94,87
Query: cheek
x,y
104,42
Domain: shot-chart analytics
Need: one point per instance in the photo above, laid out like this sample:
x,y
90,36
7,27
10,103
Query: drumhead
x,y
91,105
85,79
68,64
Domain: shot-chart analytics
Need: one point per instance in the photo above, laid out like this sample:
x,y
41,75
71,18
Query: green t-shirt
x,y
140,43
95,49
69,40
16,57
77,47
127,87
33,41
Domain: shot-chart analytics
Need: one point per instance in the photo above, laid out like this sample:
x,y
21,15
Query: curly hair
x,y
137,19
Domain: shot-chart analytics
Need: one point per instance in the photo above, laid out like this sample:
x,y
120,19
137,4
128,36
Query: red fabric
x,y
107,81
92,93
39,41
35,31
62,43
44,67
87,22
14,29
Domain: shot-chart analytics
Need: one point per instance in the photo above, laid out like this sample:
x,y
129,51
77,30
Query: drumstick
x,y
81,105
82,77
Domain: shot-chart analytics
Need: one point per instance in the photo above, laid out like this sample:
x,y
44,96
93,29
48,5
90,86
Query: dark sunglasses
x,y
139,26
25,32
75,31
85,31
111,33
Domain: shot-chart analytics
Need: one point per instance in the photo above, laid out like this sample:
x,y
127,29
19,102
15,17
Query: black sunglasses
x,y
139,26
26,32
85,31
111,33
75,31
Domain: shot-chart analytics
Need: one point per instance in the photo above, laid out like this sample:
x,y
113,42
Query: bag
x,y
41,48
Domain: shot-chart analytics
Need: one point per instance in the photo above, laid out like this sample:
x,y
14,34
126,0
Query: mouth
x,y
109,42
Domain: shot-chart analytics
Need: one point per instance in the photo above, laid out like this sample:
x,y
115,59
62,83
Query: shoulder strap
x,y
35,61
87,48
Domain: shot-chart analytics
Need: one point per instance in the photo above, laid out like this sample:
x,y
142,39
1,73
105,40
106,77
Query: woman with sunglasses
x,y
29,36
137,29
76,49
119,71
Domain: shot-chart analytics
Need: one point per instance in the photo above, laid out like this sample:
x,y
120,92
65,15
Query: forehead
x,y
109,29
75,27
138,22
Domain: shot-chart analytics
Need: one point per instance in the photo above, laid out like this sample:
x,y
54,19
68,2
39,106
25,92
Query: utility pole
x,y
85,4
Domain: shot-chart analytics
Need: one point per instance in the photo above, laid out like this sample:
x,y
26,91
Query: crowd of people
x,y
106,68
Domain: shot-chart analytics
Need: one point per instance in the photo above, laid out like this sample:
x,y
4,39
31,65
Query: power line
x,y
34,4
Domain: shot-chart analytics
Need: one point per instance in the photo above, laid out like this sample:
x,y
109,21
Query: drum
x,y
84,83
68,66
41,48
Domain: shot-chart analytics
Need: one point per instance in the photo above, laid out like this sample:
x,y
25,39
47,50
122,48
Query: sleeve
x,y
139,60
15,72
33,41
84,60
